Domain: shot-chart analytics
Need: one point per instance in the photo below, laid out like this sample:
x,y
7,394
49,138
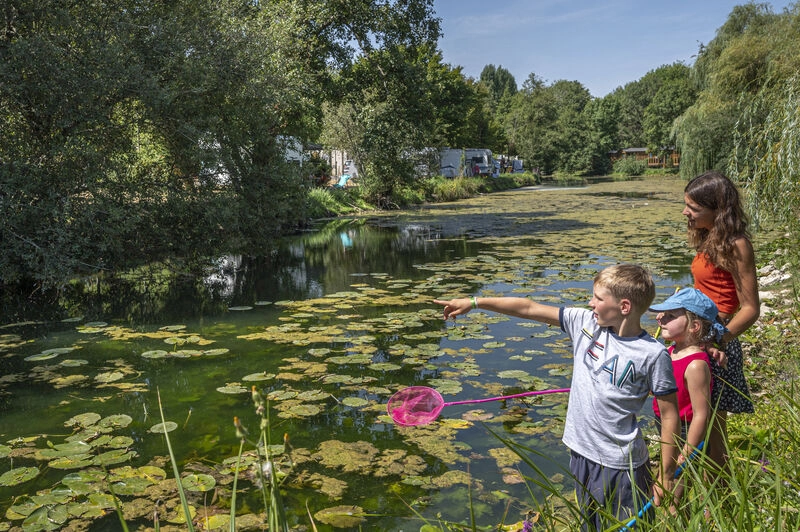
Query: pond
x,y
326,329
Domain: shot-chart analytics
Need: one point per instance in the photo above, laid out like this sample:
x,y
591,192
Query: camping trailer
x,y
454,162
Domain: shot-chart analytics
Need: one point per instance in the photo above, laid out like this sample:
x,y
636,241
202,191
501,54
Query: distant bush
x,y
630,167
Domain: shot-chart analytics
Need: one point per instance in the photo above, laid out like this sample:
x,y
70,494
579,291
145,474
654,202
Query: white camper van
x,y
455,162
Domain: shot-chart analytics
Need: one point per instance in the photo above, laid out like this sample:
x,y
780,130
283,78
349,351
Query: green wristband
x,y
474,301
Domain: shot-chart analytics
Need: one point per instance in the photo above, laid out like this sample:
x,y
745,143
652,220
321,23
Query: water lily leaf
x,y
232,389
494,345
5,450
75,461
240,308
109,376
322,351
385,366
186,353
198,482
354,401
70,380
218,522
73,362
114,456
40,357
513,374
263,376
261,303
341,516
313,395
83,420
63,449
99,324
131,486
155,353
116,421
118,442
215,352
174,340
161,428
18,476
300,411
50,517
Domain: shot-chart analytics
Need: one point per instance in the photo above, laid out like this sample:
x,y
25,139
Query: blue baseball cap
x,y
692,300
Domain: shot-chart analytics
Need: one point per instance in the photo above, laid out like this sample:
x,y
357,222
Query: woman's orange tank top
x,y
716,283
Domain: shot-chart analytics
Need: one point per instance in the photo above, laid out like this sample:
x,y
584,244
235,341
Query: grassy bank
x,y
327,202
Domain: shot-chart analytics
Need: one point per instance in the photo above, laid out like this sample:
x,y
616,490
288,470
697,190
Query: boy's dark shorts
x,y
602,492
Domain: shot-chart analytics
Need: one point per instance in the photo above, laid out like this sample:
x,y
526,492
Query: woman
x,y
723,269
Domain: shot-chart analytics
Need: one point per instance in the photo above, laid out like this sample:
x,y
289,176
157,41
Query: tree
x,y
137,130
674,95
732,73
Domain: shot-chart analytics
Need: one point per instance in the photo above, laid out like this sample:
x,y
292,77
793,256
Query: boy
x,y
616,365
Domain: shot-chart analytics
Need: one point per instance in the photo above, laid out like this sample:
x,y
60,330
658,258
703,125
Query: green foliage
x,y
629,166
742,75
766,155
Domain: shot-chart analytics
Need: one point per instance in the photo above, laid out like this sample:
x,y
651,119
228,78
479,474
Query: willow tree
x,y
728,73
746,119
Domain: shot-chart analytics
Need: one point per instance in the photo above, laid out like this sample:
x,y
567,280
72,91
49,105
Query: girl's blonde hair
x,y
706,334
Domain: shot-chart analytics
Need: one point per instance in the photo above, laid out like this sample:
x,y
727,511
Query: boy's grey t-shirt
x,y
612,378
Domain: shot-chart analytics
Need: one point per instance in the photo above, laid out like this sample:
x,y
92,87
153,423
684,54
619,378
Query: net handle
x,y
501,397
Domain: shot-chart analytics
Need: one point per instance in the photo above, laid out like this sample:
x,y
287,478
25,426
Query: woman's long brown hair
x,y
717,192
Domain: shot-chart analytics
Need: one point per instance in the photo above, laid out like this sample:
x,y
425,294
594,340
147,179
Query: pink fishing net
x,y
419,405
415,405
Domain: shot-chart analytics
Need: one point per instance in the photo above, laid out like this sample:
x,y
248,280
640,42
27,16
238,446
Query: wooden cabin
x,y
667,158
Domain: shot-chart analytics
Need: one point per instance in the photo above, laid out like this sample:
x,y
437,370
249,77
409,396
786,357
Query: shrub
x,y
630,167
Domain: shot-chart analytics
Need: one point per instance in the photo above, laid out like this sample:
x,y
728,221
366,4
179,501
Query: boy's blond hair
x,y
631,282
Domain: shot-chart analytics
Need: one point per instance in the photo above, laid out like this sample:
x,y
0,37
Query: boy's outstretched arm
x,y
521,307
670,433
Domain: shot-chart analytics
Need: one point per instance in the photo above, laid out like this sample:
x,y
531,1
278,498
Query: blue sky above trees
x,y
603,45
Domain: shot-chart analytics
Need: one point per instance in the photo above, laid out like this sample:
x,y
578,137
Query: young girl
x,y
723,269
688,320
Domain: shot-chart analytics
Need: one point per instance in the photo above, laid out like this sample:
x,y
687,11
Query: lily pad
x,y
161,428
40,356
50,517
76,461
114,456
73,362
215,352
354,401
84,420
262,376
198,482
155,353
18,476
109,376
341,516
116,421
232,389
241,308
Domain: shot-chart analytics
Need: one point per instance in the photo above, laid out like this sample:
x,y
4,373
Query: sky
x,y
603,44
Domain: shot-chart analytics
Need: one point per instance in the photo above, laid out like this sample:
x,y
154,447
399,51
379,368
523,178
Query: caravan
x,y
467,162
